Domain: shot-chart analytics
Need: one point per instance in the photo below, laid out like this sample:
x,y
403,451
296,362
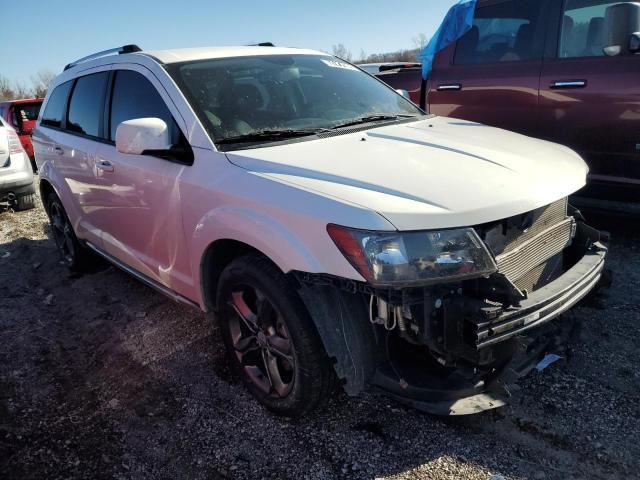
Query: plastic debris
x,y
547,360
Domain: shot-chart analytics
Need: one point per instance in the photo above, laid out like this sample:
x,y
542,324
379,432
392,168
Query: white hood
x,y
434,173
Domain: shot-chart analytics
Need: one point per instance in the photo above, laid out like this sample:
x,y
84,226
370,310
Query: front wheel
x,y
272,343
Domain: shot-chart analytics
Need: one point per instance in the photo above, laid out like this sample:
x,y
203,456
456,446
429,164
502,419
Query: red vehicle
x,y
566,71
22,116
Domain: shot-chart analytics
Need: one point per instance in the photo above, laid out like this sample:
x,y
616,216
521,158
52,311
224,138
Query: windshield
x,y
249,99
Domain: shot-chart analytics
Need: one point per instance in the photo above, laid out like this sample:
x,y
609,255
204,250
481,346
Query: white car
x,y
17,189
340,235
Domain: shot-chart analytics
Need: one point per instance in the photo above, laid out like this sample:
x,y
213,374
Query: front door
x,y
591,101
492,75
141,220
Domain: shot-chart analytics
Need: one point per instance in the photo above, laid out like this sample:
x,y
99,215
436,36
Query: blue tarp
x,y
458,21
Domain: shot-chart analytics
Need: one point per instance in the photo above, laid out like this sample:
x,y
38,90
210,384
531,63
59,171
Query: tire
x,y
25,202
272,343
74,255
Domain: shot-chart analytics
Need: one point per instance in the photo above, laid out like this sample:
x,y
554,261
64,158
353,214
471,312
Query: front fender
x,y
280,244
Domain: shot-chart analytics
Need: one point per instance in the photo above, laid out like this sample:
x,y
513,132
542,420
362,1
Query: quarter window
x,y
85,107
54,112
504,32
584,28
135,97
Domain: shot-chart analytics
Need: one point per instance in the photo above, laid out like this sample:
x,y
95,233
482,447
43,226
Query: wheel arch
x,y
45,188
215,259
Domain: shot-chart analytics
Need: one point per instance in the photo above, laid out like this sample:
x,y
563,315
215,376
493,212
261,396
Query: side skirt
x,y
173,295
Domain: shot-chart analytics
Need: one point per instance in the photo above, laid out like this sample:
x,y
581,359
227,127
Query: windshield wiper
x,y
373,118
260,135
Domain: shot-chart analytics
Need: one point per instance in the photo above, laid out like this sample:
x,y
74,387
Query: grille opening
x,y
528,247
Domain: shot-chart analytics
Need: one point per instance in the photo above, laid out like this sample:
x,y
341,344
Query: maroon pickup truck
x,y
567,71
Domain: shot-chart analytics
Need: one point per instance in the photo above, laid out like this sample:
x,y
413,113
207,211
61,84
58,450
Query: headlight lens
x,y
414,258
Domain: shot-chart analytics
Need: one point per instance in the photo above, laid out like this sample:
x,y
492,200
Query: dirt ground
x,y
101,377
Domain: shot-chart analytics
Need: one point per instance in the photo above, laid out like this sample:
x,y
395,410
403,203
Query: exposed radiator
x,y
536,250
528,247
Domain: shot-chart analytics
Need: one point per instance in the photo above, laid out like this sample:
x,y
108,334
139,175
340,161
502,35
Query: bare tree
x,y
341,51
20,90
41,81
6,92
420,41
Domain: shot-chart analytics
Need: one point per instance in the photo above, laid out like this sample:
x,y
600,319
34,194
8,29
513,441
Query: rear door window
x,y
507,31
85,107
583,31
135,97
56,105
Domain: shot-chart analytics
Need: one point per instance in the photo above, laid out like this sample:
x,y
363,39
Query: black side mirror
x,y
622,25
634,43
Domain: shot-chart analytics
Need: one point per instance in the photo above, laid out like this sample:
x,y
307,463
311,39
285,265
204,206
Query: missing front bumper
x,y
524,334
548,302
458,347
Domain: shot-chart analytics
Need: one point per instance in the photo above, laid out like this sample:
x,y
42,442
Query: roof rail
x,y
104,53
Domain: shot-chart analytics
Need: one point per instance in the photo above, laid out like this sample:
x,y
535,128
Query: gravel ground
x,y
101,377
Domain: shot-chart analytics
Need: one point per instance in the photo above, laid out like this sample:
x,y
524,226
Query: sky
x,y
52,33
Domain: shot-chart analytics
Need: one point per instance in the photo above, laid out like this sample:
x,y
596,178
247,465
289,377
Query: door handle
x,y
105,165
450,87
58,150
569,84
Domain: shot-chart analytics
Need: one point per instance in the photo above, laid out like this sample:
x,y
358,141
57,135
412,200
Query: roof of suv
x,y
190,54
180,55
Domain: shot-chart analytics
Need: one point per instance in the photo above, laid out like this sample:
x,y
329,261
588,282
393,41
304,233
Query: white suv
x,y
17,189
340,235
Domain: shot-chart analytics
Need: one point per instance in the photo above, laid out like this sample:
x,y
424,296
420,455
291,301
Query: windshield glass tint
x,y
243,95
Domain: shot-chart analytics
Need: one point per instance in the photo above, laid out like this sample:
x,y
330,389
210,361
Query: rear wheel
x,y
271,341
75,256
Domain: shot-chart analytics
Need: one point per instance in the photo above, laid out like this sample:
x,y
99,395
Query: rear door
x,y
492,75
65,142
591,101
77,148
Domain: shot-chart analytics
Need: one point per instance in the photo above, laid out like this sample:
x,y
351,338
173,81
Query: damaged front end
x,y
465,319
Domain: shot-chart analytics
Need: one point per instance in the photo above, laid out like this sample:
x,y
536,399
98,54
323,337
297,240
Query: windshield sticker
x,y
338,64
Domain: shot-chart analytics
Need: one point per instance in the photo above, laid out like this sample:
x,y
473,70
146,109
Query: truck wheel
x,y
76,257
25,202
271,341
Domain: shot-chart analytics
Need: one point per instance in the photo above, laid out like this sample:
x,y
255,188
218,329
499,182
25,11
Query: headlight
x,y
393,259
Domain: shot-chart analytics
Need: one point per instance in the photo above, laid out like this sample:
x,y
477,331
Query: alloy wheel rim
x,y
261,341
62,232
